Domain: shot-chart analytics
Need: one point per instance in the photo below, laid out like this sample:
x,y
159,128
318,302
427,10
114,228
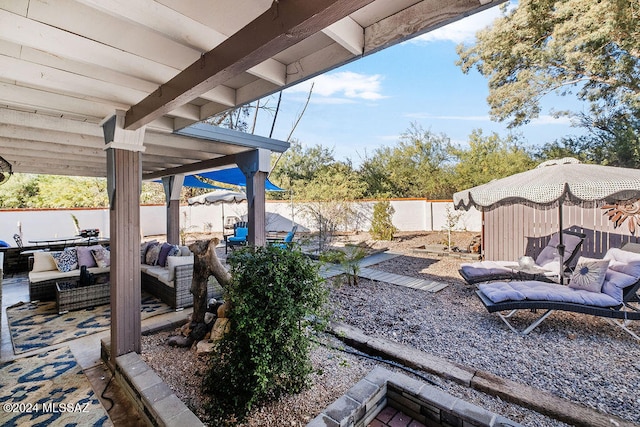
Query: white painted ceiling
x,y
65,65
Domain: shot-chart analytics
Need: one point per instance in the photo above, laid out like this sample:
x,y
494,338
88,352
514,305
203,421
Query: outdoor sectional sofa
x,y
51,267
171,282
170,278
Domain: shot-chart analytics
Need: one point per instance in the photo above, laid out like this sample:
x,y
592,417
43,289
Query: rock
x,y
186,329
180,341
205,346
223,310
220,328
198,331
209,318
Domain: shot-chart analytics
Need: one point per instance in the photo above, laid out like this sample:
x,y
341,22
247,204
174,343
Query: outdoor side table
x,y
71,295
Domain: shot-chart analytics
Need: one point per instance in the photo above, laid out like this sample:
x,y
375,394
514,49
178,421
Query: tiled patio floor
x,y
85,350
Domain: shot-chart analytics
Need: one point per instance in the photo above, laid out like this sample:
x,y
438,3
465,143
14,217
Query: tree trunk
x,y
205,264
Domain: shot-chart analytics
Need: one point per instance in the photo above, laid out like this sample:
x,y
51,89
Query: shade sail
x,y
553,183
234,176
192,181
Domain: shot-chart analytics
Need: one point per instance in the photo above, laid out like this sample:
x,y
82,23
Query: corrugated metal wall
x,y
513,231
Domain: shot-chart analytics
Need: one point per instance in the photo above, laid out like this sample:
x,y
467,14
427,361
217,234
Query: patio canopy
x,y
137,75
66,65
234,176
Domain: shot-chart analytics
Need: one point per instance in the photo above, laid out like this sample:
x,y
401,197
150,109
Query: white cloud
x,y
343,87
464,30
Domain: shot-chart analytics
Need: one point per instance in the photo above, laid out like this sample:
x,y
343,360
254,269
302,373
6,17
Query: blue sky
x,y
370,102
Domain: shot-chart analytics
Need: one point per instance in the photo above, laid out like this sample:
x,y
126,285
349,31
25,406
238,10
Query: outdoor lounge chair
x,y
285,243
546,268
617,301
239,238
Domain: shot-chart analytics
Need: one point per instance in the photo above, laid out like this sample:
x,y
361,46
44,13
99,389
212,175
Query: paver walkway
x,y
366,272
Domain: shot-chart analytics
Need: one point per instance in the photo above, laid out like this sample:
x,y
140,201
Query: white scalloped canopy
x,y
553,182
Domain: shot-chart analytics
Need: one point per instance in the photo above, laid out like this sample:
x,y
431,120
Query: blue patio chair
x,y
287,242
239,238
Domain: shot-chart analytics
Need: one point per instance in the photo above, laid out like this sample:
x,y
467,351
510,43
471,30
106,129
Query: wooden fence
x,y
512,231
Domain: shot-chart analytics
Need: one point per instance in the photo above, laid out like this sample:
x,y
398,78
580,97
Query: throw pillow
x,y
175,251
589,274
143,250
43,261
153,251
85,257
66,260
163,254
102,257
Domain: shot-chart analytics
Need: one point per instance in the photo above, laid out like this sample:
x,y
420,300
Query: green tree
x,y
20,191
489,157
562,46
382,227
53,191
299,165
613,140
418,166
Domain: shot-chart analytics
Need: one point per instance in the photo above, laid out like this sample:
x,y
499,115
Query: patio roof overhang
x,y
65,65
148,69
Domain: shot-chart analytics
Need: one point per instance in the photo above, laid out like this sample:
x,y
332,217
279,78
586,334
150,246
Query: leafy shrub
x,y
275,297
381,226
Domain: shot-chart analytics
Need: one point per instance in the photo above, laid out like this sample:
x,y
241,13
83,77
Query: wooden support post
x,y
124,183
257,211
255,166
172,187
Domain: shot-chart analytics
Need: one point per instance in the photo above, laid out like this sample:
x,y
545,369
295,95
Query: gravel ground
x,y
577,357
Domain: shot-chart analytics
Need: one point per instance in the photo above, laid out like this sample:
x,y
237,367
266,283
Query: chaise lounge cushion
x,y
550,252
543,291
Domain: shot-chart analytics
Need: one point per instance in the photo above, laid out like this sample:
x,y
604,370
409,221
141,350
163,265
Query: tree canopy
x,y
562,46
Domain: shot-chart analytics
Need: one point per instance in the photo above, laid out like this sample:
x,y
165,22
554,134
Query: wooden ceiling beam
x,y
285,24
424,16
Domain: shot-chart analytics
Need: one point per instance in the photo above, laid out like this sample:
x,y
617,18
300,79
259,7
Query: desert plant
x,y
381,226
349,259
275,297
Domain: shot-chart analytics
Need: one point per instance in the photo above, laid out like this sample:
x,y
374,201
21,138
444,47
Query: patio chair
x,y
239,237
545,268
286,242
18,240
617,301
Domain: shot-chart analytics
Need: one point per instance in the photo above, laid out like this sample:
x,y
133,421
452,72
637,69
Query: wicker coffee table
x,y
70,295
